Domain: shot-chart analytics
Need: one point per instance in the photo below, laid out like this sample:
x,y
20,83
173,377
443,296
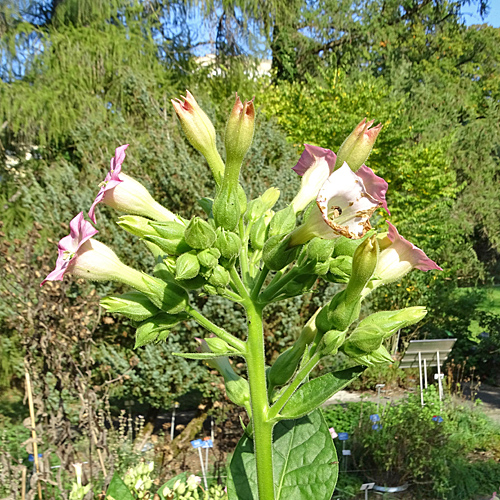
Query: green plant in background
x,y
253,256
182,488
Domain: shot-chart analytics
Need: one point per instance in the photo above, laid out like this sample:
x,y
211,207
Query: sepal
x,y
133,305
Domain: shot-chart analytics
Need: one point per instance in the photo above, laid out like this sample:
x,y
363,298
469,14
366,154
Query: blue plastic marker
x,y
343,436
198,443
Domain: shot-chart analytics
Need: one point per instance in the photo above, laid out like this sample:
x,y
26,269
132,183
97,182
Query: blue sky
x,y
472,17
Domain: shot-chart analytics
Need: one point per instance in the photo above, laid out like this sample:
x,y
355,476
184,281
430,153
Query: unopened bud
x,y
218,345
199,234
339,270
282,222
228,243
277,254
358,146
389,322
220,277
331,342
133,305
170,237
258,233
320,250
209,258
364,263
156,328
239,133
339,314
226,208
187,266
200,132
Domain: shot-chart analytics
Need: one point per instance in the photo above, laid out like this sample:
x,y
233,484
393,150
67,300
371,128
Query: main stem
x,y
262,428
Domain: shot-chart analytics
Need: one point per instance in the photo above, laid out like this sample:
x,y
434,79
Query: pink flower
x,y
123,193
397,258
111,180
314,166
344,206
80,232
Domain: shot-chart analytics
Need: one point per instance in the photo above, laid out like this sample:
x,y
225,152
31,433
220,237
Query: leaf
x,y
314,393
118,490
305,462
170,484
205,355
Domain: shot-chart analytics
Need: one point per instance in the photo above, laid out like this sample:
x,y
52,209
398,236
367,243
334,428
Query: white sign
x,y
367,486
346,452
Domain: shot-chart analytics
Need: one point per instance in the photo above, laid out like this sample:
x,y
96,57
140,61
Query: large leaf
x,y
314,393
305,462
118,490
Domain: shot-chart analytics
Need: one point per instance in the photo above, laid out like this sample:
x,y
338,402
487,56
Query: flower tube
x,y
123,193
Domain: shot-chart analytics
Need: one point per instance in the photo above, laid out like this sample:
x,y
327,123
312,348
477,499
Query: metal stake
x,y
420,372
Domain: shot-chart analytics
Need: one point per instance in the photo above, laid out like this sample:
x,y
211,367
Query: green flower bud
x,y
364,263
238,391
181,489
218,345
366,339
169,297
239,133
321,268
199,234
209,258
171,237
285,365
220,277
200,132
283,222
389,322
187,266
226,208
277,254
228,243
346,246
258,233
339,314
339,270
156,328
133,305
258,207
358,146
331,341
379,356
136,225
320,250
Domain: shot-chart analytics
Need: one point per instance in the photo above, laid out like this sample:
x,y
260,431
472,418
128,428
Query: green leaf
x,y
118,490
305,462
314,393
170,484
205,355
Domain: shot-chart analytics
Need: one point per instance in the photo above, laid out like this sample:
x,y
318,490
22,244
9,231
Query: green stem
x,y
244,264
287,393
260,281
238,284
262,427
220,332
268,294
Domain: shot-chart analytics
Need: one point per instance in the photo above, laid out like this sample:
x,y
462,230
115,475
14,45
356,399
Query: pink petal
x,y
345,204
80,231
111,180
309,156
409,252
374,184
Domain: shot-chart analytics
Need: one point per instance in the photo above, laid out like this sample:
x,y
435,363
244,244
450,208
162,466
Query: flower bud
x,y
239,133
320,250
389,322
284,367
379,356
283,222
200,132
133,305
137,225
220,277
258,232
170,237
358,146
187,266
209,257
321,268
228,243
347,246
226,208
339,269
339,314
218,345
364,339
199,234
364,263
156,328
169,297
277,254
331,341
